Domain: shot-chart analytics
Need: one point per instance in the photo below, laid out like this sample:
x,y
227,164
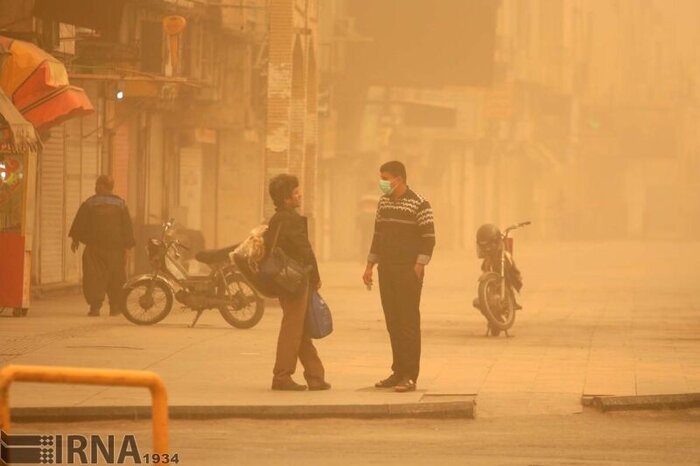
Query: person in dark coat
x,y
103,225
293,239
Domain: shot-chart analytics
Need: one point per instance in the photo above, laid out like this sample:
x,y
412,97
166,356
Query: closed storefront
x,y
191,187
69,163
73,184
239,197
51,208
120,160
155,167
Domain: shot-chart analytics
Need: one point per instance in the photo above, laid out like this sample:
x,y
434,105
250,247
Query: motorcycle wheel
x,y
142,309
501,315
248,315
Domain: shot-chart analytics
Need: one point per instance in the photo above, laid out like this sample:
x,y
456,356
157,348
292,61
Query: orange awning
x,y
38,85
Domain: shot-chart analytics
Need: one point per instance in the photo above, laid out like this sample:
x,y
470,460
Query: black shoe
x,y
319,387
288,386
115,312
389,382
406,385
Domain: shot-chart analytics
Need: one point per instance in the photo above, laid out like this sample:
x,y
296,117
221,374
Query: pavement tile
x,y
596,328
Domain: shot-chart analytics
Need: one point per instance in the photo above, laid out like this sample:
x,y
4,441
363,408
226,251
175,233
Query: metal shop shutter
x,y
120,160
81,168
191,185
73,166
51,186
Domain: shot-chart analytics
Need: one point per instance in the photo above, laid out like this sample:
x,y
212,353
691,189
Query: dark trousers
x,y
293,344
400,290
104,271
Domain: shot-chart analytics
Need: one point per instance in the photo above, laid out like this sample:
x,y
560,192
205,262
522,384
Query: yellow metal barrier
x,y
72,375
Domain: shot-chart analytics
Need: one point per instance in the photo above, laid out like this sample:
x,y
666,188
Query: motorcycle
x,y
500,278
149,297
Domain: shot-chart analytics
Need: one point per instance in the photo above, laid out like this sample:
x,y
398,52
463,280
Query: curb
x,y
632,403
434,410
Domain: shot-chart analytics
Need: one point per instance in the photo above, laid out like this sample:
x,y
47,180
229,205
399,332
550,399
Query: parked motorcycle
x,y
500,278
149,297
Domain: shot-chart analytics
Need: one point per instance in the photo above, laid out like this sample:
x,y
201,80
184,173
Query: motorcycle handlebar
x,y
517,225
167,227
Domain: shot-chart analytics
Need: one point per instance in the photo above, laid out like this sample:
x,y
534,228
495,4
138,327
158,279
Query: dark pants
x,y
400,290
104,271
293,344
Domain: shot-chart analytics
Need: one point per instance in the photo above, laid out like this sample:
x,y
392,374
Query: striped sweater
x,y
404,232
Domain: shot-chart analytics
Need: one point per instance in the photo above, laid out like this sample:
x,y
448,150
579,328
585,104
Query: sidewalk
x,y
603,319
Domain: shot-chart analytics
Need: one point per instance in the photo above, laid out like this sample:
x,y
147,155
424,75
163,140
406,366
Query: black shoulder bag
x,y
280,269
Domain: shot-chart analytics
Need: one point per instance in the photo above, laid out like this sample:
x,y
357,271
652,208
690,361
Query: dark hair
x,y
394,167
281,188
104,183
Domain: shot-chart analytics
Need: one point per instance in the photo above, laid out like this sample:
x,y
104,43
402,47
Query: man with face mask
x,y
403,243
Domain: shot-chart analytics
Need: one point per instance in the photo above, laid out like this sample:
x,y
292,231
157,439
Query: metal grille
x,y
52,186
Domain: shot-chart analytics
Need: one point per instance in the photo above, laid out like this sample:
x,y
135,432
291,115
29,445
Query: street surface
x,y
646,438
598,319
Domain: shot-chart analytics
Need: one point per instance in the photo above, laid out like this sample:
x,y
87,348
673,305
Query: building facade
x,y
187,116
588,128
605,91
292,99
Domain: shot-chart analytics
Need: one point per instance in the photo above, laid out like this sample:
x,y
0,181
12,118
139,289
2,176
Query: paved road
x,y
610,318
646,438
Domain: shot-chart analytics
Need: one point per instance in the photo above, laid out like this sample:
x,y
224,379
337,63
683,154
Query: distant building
x,y
588,127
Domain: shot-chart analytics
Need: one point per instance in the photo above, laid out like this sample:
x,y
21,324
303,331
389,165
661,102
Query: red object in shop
x,y
11,270
18,145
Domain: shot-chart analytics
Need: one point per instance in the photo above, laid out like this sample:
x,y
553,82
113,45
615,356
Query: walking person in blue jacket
x,y
103,225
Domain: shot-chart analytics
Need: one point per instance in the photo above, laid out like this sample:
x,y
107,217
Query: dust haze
x,y
581,116
578,119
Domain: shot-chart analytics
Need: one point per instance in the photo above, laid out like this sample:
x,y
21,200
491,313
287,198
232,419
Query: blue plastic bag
x,y
319,322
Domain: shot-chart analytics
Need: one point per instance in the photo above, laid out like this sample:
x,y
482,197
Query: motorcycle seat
x,y
213,256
